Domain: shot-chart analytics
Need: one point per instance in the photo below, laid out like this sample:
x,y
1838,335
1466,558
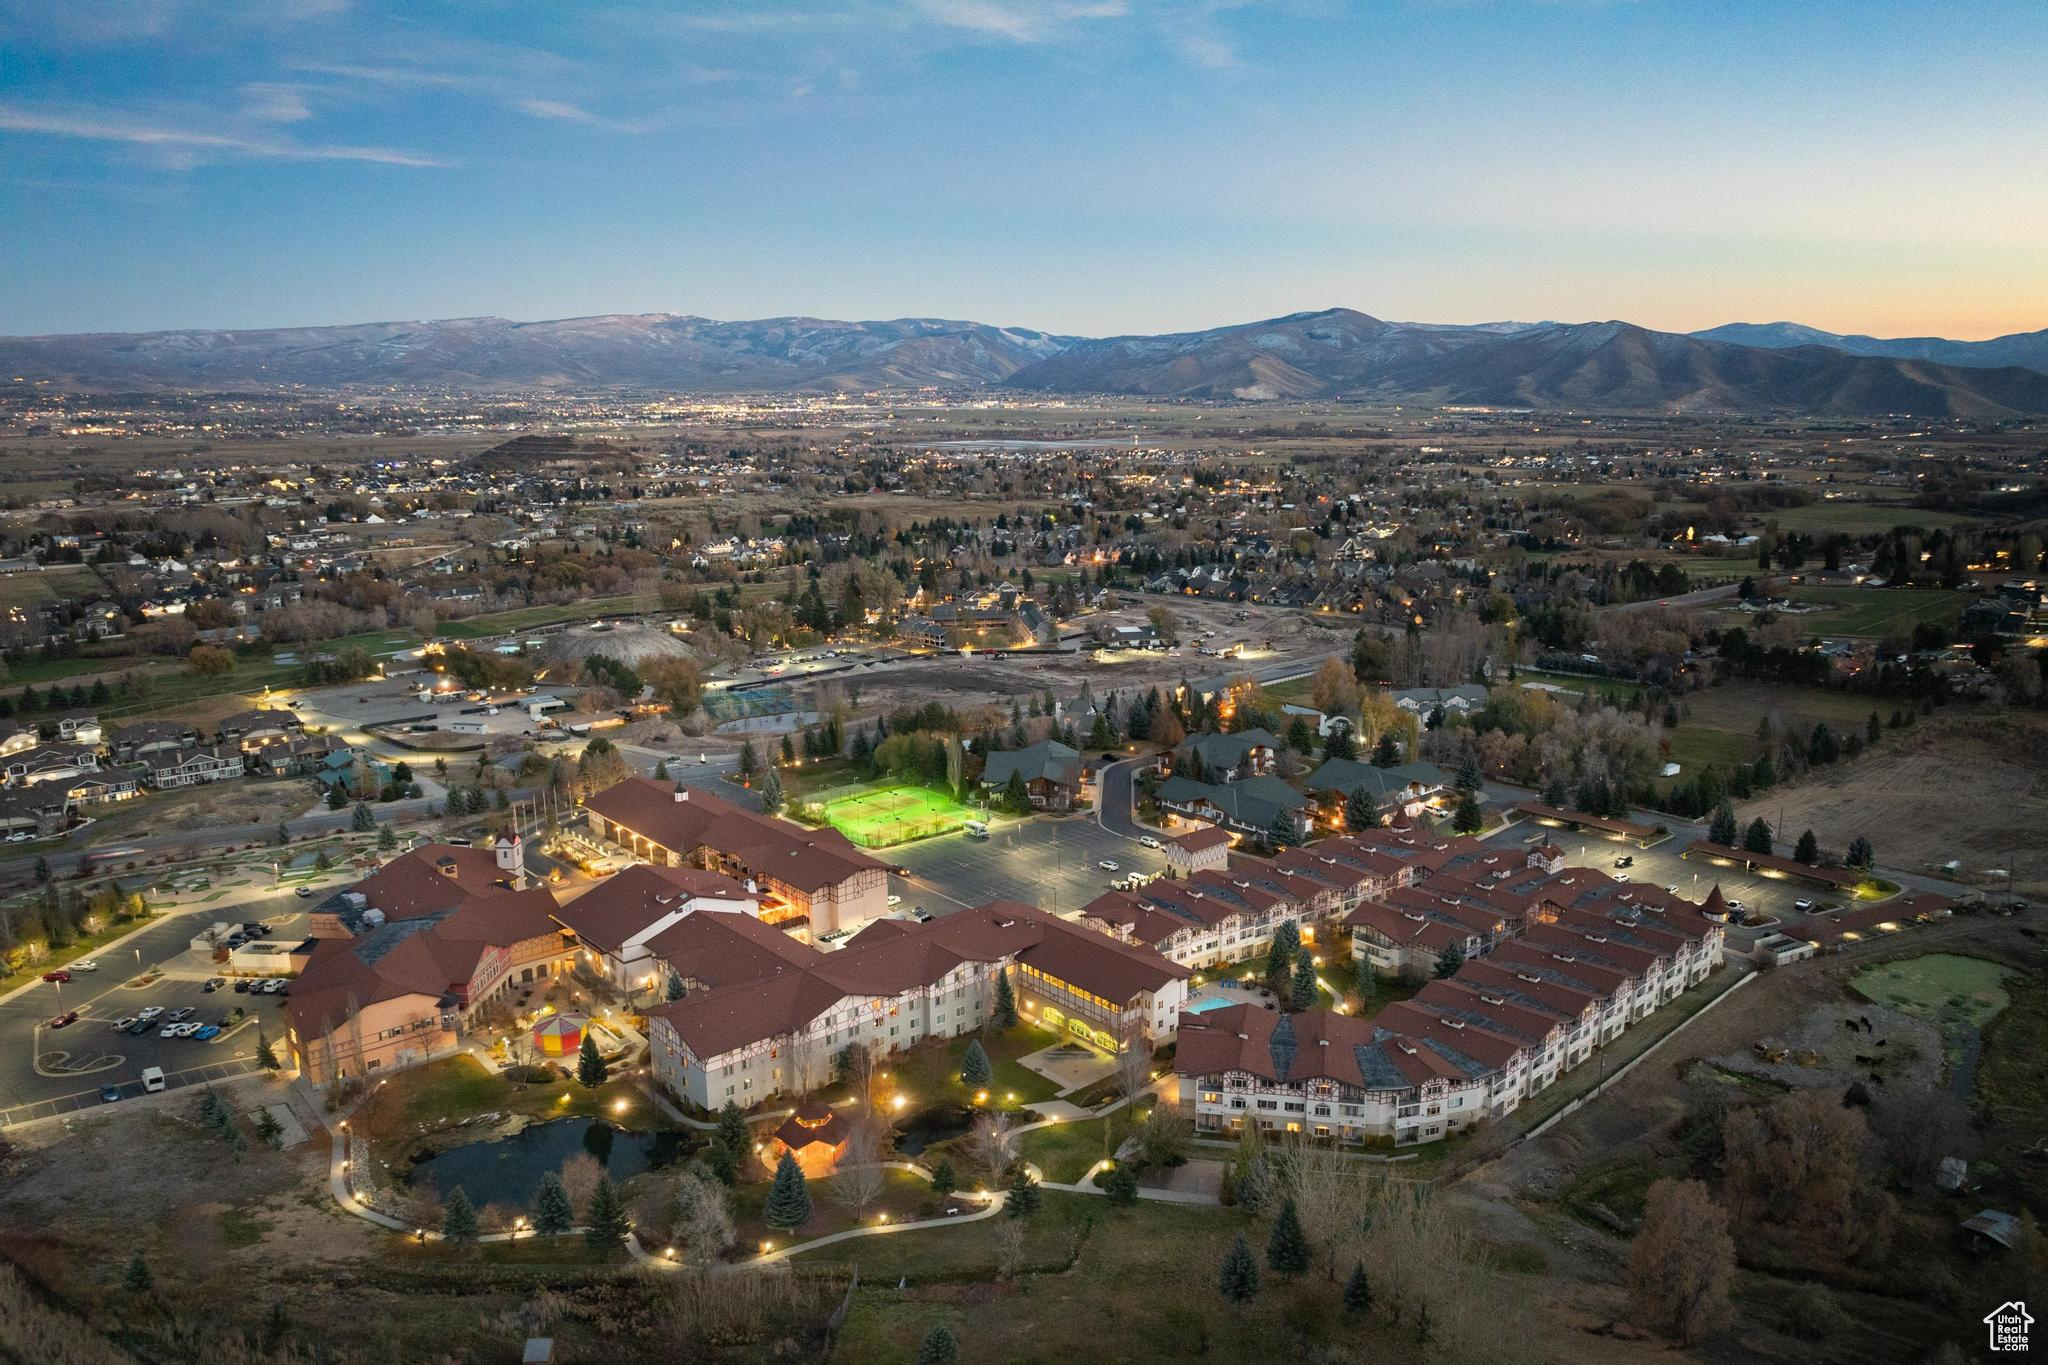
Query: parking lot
x,y
1663,865
46,1071
1051,863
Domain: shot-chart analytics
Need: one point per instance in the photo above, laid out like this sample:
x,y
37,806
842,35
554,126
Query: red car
x,y
65,1020
56,976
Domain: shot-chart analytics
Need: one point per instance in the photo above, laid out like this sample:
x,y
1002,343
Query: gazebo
x,y
814,1135
559,1035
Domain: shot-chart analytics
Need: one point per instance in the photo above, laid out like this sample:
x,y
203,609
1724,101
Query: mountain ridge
x,y
2026,349
1332,353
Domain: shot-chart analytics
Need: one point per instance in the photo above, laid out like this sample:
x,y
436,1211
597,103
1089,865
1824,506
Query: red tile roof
x,y
808,859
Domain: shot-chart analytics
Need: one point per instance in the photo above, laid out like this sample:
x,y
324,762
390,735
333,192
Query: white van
x,y
152,1079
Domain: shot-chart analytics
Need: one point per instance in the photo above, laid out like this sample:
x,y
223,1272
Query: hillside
x,y
2027,349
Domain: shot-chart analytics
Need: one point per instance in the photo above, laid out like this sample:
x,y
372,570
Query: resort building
x,y
814,877
780,1023
401,963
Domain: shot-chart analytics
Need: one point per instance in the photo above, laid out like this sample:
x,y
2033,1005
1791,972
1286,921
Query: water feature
x,y
509,1170
926,1127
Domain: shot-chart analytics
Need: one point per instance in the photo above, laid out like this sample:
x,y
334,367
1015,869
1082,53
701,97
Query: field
x,y
1859,518
1876,611
1937,985
1975,790
895,815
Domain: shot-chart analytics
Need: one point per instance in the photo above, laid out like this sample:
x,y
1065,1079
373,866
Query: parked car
x,y
152,1079
1149,841
303,892
1802,905
182,1013
895,900
922,915
213,983
65,1020
1108,865
139,1027
121,1025
208,1033
149,1014
58,977
242,987
109,1094
167,1031
1626,860
91,964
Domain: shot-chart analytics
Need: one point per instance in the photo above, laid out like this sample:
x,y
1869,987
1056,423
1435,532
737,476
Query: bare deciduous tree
x,y
990,1147
1681,1263
580,1174
858,1182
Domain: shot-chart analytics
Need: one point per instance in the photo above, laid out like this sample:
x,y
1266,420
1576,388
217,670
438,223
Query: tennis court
x,y
895,815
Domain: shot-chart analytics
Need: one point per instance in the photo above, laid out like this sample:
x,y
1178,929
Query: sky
x,y
1079,166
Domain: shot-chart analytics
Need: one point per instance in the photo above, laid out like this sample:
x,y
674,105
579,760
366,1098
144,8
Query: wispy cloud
x,y
1021,21
181,148
270,102
565,112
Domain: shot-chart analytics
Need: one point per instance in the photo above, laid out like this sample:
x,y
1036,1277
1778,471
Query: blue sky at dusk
x,y
1088,166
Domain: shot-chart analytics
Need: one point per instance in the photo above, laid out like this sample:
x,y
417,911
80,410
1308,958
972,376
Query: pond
x,y
508,1170
927,1127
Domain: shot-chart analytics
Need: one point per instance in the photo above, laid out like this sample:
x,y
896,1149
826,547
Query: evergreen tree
x,y
939,1348
1302,996
266,1052
1469,778
1281,832
1386,752
1359,811
283,835
1861,854
1239,1280
137,1279
733,1134
1724,830
748,764
387,838
1358,1290
552,1214
944,1181
789,1198
1016,796
42,868
674,990
364,819
337,799
661,771
1449,960
1287,1248
590,1068
458,1218
605,1224
1757,838
1006,1002
772,798
1120,1183
1024,1196
722,1164
1280,955
1342,743
975,1071
1468,818
1807,850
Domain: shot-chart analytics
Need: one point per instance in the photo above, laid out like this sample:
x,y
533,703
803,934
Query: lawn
x,y
903,1197
1146,1273
931,1070
1064,1152
1859,518
1939,986
1875,611
1695,748
885,816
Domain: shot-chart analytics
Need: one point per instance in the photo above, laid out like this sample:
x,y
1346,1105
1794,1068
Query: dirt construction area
x,y
1972,790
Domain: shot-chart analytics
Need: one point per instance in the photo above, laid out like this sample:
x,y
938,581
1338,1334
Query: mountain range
x,y
2028,349
1332,353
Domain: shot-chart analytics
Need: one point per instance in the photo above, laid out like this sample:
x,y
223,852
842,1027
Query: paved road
x,y
1698,598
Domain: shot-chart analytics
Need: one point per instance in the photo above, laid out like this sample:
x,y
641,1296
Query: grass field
x,y
1859,518
1939,986
1876,611
895,815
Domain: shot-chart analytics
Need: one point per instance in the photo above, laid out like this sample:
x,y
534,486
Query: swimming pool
x,y
1206,1003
